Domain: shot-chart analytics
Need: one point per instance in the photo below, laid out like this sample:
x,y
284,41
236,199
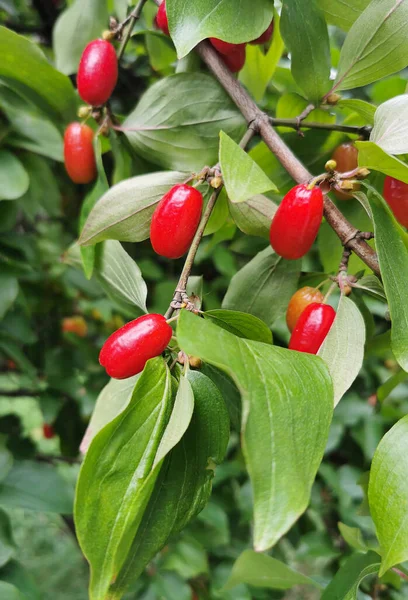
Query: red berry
x,y
299,301
226,47
346,157
48,431
126,351
296,222
79,156
161,18
175,221
312,327
234,61
97,72
396,195
265,37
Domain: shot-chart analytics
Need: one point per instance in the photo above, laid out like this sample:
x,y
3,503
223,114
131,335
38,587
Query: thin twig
x,y
131,19
293,124
53,458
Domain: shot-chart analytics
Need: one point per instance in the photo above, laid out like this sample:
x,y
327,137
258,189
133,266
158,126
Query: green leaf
x,y
388,386
243,178
373,157
343,348
393,259
254,216
14,180
292,105
212,18
178,119
353,537
346,582
9,592
390,125
361,107
387,491
99,189
125,211
184,484
161,51
53,90
112,400
241,324
43,195
16,575
82,22
36,486
8,292
260,570
264,286
259,67
304,32
108,510
7,544
342,13
376,45
274,383
372,285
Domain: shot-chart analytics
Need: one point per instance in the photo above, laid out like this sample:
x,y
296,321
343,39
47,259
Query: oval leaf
x,y
14,180
178,120
274,383
347,580
343,348
390,130
373,157
241,324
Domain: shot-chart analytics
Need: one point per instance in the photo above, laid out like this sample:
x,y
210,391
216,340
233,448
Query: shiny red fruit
x,y
346,157
234,61
226,47
161,18
97,72
312,327
265,37
299,301
396,195
296,222
79,155
48,431
126,351
175,221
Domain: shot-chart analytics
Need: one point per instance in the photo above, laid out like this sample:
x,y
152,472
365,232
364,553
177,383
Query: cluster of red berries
x,y
233,55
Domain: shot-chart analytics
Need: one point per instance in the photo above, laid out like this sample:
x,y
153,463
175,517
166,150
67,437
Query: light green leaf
x,y
388,386
9,592
353,537
177,122
342,13
36,486
51,89
361,107
184,484
291,105
8,292
212,18
346,582
125,211
387,491
393,259
241,324
254,216
243,178
260,570
373,157
372,285
82,22
259,68
343,348
390,129
376,45
14,180
304,32
277,386
264,286
161,51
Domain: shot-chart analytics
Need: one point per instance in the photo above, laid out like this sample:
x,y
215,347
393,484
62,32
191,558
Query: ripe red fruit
x,y
161,18
175,221
48,431
299,301
126,351
236,60
226,47
312,327
97,72
346,157
79,156
296,222
396,195
265,37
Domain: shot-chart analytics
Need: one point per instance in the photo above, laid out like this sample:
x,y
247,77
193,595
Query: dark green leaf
x,y
14,180
43,195
7,544
177,122
345,584
8,292
264,286
274,383
241,324
304,32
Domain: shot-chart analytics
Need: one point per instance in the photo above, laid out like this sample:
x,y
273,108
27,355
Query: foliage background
x,y
51,376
